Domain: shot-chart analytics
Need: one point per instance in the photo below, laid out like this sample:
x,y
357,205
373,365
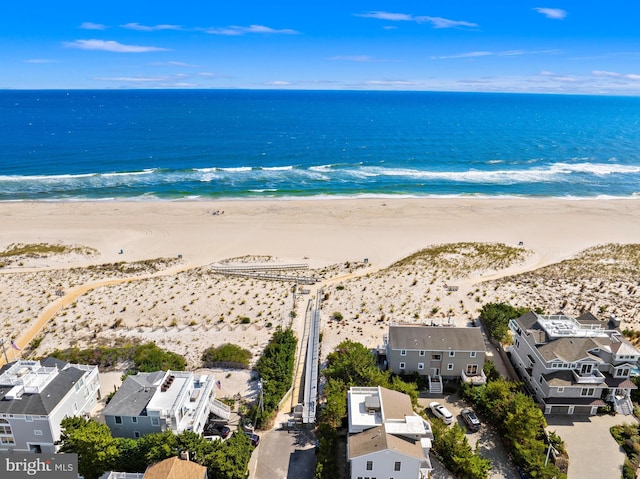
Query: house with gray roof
x,y
163,400
35,396
386,437
574,365
436,352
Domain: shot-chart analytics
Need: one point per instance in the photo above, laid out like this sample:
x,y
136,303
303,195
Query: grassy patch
x,y
461,258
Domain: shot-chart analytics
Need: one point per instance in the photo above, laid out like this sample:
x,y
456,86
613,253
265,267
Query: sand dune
x,y
183,305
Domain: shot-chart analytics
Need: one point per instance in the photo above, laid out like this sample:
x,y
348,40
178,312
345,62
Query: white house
x,y
387,438
35,396
154,402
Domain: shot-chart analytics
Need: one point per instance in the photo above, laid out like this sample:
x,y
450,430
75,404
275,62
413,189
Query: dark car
x,y
255,439
217,430
470,418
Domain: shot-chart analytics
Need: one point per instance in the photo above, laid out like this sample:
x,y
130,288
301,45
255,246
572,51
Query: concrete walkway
x,y
593,453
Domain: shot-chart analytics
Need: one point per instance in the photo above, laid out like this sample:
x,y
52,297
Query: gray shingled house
x,y
574,365
154,402
436,352
36,395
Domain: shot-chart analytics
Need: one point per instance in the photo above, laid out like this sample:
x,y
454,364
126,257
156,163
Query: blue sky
x,y
587,46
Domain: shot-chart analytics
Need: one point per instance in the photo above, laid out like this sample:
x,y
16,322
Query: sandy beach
x,y
183,305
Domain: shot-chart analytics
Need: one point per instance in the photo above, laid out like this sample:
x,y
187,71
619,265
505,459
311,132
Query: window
x,y
587,391
472,369
75,407
420,365
369,465
472,354
136,434
403,352
118,419
450,367
452,354
435,357
421,353
561,389
37,432
517,343
622,372
134,419
155,421
28,418
397,465
6,434
402,365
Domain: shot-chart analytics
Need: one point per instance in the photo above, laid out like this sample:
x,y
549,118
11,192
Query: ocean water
x,y
208,144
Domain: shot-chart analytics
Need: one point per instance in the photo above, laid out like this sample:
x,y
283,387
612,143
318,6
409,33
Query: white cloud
x,y
279,83
392,83
132,79
235,30
437,22
39,60
92,26
553,13
393,17
603,73
173,64
150,28
464,55
111,46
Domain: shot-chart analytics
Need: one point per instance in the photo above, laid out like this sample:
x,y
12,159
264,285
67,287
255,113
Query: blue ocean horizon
x,y
236,144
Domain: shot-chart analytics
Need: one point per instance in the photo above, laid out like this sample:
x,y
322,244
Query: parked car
x,y
255,439
470,418
217,430
442,412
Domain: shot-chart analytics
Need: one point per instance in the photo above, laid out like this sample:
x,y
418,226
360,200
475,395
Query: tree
x,y
149,358
97,450
226,353
335,407
230,459
354,365
496,316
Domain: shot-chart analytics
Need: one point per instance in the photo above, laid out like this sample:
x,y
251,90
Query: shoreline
x,y
187,308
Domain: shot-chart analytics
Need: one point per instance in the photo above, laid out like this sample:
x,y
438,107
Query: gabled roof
x,y
570,350
175,468
43,403
377,439
435,338
134,394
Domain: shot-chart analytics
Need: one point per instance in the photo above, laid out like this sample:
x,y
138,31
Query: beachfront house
x,y
163,400
574,365
35,396
177,467
386,437
436,352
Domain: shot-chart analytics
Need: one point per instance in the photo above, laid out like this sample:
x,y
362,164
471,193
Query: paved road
x,y
284,454
593,453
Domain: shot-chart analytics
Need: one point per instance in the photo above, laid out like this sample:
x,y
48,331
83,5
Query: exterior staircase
x,y
435,384
623,406
220,409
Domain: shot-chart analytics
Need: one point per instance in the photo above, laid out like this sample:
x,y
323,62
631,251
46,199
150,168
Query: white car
x,y
442,412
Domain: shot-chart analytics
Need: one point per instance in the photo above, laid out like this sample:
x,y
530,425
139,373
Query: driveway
x,y
284,454
593,453
486,439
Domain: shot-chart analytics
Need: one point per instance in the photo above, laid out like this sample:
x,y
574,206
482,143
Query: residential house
x,y
436,352
162,400
35,396
573,365
176,468
386,437
171,468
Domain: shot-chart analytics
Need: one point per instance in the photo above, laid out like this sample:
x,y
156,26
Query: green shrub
x,y
230,354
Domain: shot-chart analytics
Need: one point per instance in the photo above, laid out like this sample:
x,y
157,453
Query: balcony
x,y
594,377
474,379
